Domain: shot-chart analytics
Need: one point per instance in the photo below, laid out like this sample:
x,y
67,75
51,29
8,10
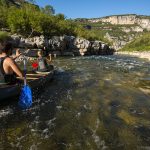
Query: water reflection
x,y
92,103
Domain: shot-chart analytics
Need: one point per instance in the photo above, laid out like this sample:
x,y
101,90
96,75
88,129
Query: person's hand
x,y
50,57
18,52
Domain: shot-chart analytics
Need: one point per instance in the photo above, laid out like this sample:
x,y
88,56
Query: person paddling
x,y
43,62
8,68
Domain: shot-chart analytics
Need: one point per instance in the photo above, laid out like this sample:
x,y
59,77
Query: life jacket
x,y
6,78
42,64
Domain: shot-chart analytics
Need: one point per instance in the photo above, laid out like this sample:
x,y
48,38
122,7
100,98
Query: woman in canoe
x,y
43,63
8,68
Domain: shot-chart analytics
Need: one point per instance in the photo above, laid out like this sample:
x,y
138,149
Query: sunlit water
x,y
92,103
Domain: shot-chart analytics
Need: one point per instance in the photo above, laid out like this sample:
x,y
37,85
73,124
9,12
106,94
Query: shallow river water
x,y
92,103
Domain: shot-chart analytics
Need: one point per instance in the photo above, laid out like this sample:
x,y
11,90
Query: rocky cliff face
x,y
120,29
142,21
64,45
116,19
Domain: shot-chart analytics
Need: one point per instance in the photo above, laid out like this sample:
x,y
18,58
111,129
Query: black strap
x,y
1,65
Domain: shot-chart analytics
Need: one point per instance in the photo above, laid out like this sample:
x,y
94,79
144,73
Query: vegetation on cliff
x,y
118,34
3,36
16,16
141,43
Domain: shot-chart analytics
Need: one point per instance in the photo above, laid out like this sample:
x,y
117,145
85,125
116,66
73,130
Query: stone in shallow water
x,y
59,107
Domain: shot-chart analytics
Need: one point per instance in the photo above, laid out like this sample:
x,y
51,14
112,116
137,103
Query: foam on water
x,y
5,112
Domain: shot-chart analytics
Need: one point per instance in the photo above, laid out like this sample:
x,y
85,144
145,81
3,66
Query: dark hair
x,y
7,47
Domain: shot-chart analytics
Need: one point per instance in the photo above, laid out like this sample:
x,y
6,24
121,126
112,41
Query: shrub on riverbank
x,y
139,44
3,36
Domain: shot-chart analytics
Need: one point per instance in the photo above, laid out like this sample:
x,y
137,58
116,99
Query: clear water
x,y
92,103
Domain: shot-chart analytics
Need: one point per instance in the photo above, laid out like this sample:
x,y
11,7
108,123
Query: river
x,y
92,103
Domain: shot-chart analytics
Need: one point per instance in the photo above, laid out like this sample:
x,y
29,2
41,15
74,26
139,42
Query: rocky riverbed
x,y
93,102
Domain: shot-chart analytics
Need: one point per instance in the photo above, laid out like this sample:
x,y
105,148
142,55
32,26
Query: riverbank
x,y
143,54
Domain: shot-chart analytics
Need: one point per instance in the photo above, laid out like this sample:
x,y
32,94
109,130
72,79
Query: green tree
x,y
60,16
3,17
23,20
29,20
18,21
48,9
3,2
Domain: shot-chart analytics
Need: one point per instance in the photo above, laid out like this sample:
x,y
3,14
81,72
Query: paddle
x,y
25,99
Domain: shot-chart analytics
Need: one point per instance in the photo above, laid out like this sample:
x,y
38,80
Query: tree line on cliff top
x,y
29,20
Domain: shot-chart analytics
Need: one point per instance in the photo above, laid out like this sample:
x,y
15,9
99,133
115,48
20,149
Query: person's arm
x,y
14,57
15,67
17,54
49,59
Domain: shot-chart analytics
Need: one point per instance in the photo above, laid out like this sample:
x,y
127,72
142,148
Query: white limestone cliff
x,y
125,20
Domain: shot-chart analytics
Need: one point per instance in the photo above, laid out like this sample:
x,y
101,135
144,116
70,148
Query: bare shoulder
x,y
9,60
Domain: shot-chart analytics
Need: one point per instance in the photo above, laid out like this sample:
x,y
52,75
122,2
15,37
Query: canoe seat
x,y
28,78
1,84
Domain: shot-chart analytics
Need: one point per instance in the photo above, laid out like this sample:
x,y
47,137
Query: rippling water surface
x,y
92,103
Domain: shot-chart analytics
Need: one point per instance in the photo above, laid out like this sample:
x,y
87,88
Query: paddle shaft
x,y
25,71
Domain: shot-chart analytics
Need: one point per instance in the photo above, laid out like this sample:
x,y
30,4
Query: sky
x,y
97,8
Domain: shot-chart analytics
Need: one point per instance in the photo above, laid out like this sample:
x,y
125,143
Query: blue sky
x,y
97,8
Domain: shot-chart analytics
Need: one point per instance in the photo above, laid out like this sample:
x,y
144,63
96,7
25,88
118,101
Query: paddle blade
x,y
25,99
